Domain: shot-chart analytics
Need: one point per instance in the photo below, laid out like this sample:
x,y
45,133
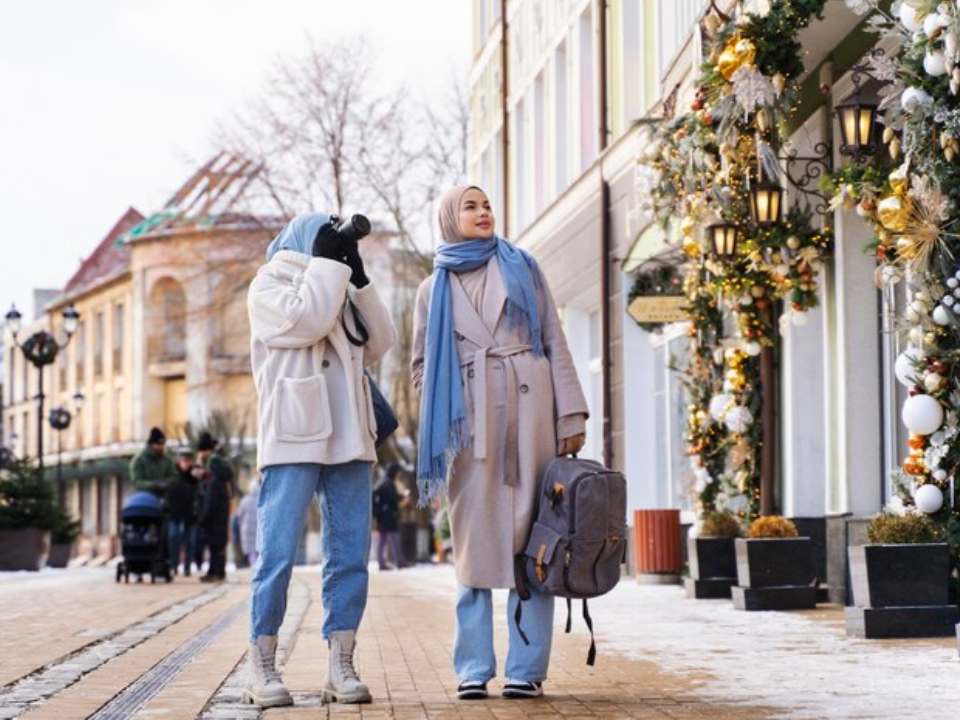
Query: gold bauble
x,y
746,52
893,213
736,54
898,181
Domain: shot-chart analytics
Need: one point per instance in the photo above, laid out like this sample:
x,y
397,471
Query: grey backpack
x,y
578,539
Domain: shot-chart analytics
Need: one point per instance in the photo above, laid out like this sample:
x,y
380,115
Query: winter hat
x,y
393,469
206,442
156,437
185,452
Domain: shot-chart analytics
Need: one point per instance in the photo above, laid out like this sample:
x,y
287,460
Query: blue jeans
x,y
344,492
180,535
473,655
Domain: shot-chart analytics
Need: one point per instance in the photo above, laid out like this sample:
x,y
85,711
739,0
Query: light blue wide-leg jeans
x,y
344,492
473,653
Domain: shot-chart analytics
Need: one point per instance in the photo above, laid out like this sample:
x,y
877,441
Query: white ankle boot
x,y
343,684
264,686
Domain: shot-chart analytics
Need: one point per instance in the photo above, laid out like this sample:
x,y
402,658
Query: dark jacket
x,y
182,497
386,506
152,471
217,490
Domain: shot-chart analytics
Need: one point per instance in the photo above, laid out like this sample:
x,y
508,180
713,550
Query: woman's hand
x,y
571,445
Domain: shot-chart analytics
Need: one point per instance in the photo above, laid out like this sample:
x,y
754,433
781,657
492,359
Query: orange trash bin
x,y
656,541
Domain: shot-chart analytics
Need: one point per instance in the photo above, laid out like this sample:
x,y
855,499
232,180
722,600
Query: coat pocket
x,y
303,409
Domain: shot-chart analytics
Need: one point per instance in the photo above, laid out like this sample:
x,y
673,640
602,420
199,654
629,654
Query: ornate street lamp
x,y
723,240
765,203
858,123
60,418
41,349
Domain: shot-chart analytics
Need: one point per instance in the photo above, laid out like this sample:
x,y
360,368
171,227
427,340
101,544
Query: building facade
x,y
566,96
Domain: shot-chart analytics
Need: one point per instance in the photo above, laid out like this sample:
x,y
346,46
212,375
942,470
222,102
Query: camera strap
x,y
363,334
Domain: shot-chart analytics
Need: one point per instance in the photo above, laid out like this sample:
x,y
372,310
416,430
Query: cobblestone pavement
x,y
76,645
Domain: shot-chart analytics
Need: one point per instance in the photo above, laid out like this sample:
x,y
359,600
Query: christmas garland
x,y
698,170
913,209
664,281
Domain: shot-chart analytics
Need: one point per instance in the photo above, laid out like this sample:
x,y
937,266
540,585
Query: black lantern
x,y
858,120
723,240
765,203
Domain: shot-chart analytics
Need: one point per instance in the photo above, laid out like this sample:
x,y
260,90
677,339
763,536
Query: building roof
x,y
108,259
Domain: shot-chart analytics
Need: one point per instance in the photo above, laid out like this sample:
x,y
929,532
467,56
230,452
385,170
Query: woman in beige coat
x,y
500,399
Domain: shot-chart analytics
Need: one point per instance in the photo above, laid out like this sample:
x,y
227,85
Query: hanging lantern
x,y
765,203
723,240
858,121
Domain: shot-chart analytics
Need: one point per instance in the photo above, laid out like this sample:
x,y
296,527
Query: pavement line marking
x,y
57,676
138,694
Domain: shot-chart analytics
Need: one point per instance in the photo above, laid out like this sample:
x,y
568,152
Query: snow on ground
x,y
801,662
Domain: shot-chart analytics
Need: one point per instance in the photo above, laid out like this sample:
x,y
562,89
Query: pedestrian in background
x,y
217,490
247,522
500,399
387,500
152,469
316,321
182,507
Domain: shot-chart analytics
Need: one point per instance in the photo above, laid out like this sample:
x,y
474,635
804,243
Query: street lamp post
x,y
60,418
41,349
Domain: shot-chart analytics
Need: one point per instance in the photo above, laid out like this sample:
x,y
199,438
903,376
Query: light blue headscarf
x,y
443,426
298,234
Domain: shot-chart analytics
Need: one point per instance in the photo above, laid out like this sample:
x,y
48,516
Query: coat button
x,y
326,363
524,389
470,373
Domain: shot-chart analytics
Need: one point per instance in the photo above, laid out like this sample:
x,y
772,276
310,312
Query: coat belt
x,y
510,470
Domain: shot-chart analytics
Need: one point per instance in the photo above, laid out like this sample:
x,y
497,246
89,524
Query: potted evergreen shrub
x,y
901,580
27,507
64,532
713,559
775,567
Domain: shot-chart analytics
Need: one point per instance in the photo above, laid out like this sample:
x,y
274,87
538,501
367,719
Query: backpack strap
x,y
517,616
592,653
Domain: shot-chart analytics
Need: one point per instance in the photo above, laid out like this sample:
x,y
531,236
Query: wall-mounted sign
x,y
658,308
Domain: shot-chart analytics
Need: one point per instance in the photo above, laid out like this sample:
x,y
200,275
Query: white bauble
x,y
933,381
727,386
782,269
952,283
949,300
940,475
752,348
746,300
922,414
718,356
799,319
908,18
719,404
905,367
935,64
913,98
929,498
913,317
931,23
739,419
919,306
915,335
940,315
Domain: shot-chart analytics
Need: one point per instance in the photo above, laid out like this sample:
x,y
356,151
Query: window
x,y
98,339
632,62
893,341
520,190
675,21
539,146
562,133
118,339
80,350
588,99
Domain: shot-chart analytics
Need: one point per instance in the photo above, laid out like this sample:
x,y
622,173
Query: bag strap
x,y
517,616
592,652
363,333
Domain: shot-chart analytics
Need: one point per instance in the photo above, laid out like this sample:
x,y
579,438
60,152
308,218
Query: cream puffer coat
x,y
314,398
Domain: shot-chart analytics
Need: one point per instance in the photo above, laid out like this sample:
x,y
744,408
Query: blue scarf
x,y
298,234
443,419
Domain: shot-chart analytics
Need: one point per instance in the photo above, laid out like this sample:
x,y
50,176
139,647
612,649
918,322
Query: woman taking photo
x,y
500,398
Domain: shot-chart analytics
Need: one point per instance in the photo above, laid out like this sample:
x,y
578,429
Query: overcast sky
x,y
107,104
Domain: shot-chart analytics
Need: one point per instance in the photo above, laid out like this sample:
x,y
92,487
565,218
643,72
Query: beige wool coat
x,y
517,406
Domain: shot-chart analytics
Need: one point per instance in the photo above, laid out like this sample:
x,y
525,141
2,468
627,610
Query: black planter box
x,y
775,574
713,567
900,591
900,575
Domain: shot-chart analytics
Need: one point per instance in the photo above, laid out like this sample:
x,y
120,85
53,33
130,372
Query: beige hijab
x,y
449,214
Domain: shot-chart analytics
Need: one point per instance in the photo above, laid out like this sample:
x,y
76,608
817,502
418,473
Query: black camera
x,y
353,228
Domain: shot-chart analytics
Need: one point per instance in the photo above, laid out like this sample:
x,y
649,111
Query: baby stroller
x,y
143,538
